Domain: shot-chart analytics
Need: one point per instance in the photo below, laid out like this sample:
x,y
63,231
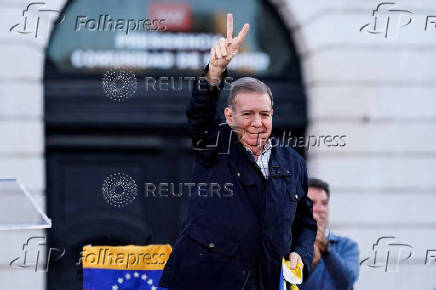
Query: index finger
x,y
242,33
229,26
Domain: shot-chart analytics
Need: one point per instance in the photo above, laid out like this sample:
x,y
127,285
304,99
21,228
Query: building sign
x,y
178,16
164,50
166,37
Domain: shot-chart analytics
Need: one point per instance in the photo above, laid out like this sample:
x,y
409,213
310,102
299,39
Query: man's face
x,y
320,204
251,117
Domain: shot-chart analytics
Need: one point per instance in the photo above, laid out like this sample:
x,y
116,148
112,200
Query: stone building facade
x,y
376,88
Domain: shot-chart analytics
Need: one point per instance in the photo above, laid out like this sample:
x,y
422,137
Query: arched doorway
x,y
93,135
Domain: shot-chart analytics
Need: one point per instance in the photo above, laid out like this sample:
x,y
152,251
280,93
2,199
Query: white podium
x,y
18,209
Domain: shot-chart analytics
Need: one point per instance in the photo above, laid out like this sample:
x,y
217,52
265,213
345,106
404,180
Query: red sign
x,y
178,16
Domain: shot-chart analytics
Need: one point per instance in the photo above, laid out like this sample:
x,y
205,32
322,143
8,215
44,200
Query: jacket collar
x,y
332,237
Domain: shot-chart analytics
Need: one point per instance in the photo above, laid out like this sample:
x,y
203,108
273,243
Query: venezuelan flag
x,y
125,267
286,274
282,284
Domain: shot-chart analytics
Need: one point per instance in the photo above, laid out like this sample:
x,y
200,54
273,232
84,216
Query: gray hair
x,y
247,84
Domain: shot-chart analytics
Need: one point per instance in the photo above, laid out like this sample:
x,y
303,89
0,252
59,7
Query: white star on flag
x,y
136,274
127,276
150,282
144,277
115,287
120,280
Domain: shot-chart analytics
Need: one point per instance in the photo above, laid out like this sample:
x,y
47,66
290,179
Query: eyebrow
x,y
249,111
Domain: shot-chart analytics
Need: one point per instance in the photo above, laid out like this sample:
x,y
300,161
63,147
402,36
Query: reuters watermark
x,y
181,83
210,189
119,189
120,83
105,22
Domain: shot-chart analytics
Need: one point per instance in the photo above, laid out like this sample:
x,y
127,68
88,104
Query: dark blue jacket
x,y
337,270
236,239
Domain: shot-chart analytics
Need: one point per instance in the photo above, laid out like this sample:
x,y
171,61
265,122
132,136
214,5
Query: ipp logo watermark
x,y
387,254
33,17
388,20
33,255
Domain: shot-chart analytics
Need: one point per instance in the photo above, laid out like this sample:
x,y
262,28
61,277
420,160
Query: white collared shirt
x,y
263,159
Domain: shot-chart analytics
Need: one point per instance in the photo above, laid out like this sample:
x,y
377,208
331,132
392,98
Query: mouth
x,y
256,134
255,139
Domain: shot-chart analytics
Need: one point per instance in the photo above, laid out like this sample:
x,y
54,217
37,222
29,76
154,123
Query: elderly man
x,y
336,259
238,241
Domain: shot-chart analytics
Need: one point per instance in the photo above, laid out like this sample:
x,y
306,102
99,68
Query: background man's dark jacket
x,y
235,238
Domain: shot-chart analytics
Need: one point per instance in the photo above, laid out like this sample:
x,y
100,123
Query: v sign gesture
x,y
224,50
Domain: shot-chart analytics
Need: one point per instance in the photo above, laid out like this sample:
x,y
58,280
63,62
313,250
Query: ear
x,y
228,113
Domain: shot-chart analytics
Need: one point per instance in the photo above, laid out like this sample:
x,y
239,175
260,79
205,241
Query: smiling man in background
x,y
336,259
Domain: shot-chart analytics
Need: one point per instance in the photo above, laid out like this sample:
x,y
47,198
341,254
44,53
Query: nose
x,y
317,208
257,121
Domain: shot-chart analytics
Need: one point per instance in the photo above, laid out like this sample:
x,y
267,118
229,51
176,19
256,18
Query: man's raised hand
x,y
224,50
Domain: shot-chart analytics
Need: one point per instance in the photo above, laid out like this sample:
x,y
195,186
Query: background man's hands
x,y
321,241
316,255
224,50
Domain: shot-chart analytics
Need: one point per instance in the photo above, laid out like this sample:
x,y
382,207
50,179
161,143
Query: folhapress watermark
x,y
105,257
285,139
308,142
105,22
